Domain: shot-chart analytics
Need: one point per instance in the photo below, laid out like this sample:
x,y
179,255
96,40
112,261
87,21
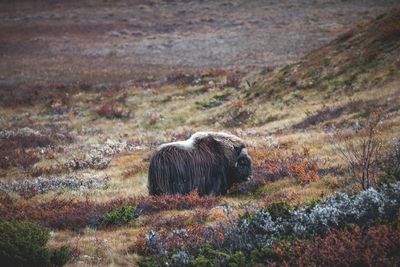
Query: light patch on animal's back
x,y
189,143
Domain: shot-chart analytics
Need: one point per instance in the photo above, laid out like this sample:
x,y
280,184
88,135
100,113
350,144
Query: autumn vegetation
x,y
322,131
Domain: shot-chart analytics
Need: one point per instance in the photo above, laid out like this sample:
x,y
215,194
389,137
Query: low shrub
x,y
263,255
304,172
24,244
155,261
113,110
362,155
279,210
271,165
212,257
17,158
164,240
60,256
260,230
19,148
356,246
43,185
208,257
100,155
269,235
119,216
72,213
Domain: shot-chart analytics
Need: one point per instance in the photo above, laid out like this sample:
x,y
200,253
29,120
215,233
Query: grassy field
x,y
74,157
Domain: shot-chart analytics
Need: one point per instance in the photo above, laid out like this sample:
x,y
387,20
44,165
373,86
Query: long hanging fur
x,y
207,162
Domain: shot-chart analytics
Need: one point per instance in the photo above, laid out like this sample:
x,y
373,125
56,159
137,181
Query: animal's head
x,y
241,161
243,165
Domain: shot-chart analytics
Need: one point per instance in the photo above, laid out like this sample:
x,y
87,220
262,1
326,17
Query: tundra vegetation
x,y
322,130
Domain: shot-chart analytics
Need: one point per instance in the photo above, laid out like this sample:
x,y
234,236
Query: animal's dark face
x,y
243,166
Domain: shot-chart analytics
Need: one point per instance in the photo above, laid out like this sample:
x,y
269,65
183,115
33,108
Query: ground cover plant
x,y
267,227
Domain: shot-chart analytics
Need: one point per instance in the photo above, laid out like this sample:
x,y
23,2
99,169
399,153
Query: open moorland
x,y
89,89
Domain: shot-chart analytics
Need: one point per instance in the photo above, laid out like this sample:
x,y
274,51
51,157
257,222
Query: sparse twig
x,y
362,156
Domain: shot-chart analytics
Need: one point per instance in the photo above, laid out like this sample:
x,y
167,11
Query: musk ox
x,y
208,162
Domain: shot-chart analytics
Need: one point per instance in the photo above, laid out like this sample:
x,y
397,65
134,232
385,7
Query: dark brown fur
x,y
210,167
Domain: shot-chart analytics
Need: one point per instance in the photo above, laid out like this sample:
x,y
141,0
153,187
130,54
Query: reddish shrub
x,y
17,158
304,172
376,246
272,165
38,94
113,110
233,79
65,213
26,141
58,213
19,148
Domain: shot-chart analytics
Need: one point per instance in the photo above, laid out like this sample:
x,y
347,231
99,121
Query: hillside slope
x,y
355,74
364,57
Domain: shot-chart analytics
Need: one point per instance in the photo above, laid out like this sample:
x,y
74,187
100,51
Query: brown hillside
x,y
365,56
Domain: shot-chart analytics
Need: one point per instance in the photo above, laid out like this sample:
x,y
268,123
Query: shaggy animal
x,y
207,162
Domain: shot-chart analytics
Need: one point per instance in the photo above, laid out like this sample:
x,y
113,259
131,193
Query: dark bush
x,y
238,259
263,255
279,210
212,257
60,256
119,216
155,261
24,244
202,261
